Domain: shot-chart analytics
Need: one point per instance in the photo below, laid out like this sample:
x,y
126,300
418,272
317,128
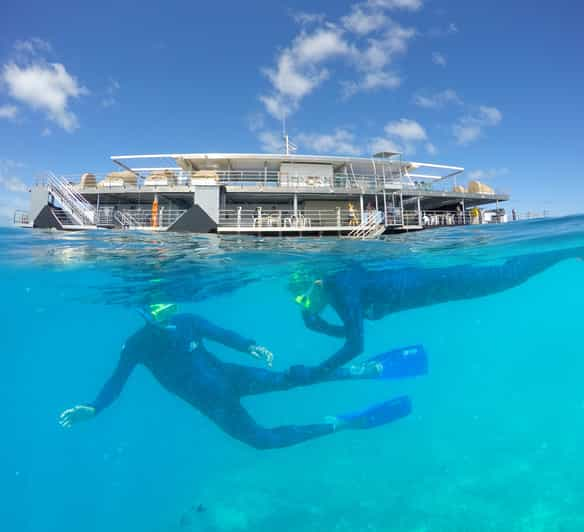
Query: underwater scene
x,y
420,382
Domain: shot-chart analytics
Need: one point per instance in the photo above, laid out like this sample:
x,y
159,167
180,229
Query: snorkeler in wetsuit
x,y
357,294
171,346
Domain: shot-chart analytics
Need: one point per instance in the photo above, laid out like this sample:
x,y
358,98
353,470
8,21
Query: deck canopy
x,y
388,163
251,162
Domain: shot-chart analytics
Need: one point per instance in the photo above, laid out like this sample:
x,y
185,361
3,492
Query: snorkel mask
x,y
159,313
312,301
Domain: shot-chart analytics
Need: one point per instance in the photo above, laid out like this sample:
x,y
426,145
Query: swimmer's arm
x,y
223,336
348,307
231,339
108,394
315,323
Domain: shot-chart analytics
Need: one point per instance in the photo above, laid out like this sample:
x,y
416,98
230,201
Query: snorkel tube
x,y
313,300
158,314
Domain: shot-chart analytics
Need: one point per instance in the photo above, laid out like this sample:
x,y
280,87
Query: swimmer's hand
x,y
262,353
74,415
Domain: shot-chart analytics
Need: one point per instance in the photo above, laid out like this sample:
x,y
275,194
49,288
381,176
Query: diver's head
x,y
314,300
158,314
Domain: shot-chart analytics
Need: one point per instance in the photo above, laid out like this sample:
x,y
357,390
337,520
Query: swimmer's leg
x,y
234,420
396,364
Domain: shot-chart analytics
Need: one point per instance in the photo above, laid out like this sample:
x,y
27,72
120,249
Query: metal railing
x,y
65,218
183,180
468,217
71,201
288,219
21,218
370,228
262,179
301,219
138,218
346,219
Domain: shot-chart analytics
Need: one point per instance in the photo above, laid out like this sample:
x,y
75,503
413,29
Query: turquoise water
x,y
494,442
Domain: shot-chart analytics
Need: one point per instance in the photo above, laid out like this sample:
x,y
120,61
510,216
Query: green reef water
x,y
494,442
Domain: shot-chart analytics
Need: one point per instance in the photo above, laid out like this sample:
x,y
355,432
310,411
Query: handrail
x,y
138,219
174,178
71,201
367,228
21,217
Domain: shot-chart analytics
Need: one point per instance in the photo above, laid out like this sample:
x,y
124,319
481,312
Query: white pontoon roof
x,y
272,162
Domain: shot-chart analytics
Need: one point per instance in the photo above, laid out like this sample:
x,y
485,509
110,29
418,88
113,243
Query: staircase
x,y
64,219
369,229
74,209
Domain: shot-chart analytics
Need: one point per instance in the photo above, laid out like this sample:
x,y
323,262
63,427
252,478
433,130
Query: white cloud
x,y
411,5
298,71
470,127
33,46
112,88
438,99
6,164
277,106
372,60
431,149
46,87
340,141
8,111
439,59
10,203
490,115
323,44
271,141
407,130
366,40
451,29
256,122
371,81
402,136
380,144
13,191
466,133
13,184
304,18
489,173
363,21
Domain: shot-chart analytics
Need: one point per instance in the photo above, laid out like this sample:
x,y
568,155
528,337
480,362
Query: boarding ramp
x,y
371,228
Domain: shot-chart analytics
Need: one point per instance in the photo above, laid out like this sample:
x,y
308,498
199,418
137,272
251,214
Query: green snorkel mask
x,y
158,313
304,301
313,300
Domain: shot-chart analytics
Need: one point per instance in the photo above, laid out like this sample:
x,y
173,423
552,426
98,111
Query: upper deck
x,y
279,174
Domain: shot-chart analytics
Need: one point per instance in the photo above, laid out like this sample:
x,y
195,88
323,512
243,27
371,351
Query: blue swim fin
x,y
379,414
400,363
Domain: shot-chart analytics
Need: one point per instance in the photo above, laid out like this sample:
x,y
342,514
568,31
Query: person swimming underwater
x,y
356,294
171,346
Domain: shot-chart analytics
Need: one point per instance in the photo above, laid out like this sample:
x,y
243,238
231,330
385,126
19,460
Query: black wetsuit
x,y
178,359
357,294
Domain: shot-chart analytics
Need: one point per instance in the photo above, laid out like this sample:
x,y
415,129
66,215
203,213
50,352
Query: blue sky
x,y
495,87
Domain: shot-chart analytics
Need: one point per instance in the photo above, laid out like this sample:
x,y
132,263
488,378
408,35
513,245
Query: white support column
x,y
362,208
295,205
419,212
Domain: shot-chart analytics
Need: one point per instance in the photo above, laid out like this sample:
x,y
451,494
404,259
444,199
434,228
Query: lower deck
x,y
220,210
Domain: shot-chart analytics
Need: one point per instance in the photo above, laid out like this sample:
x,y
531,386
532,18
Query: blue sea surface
x,y
494,442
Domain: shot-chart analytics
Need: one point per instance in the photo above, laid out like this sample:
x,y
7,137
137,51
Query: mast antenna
x,y
289,146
